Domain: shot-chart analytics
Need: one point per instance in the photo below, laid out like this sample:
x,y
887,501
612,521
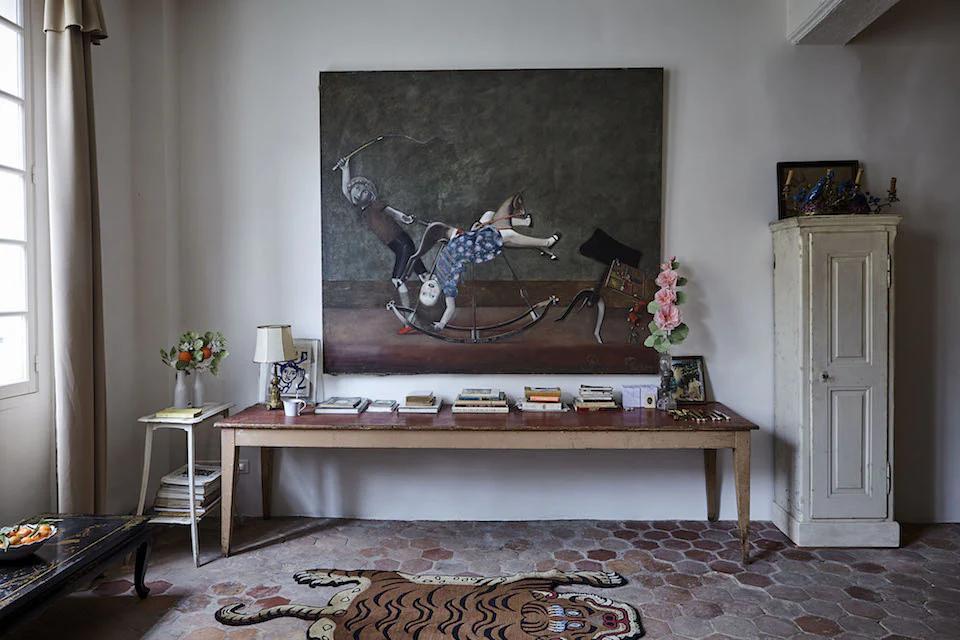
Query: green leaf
x,y
649,342
653,307
681,281
681,297
654,329
674,265
679,334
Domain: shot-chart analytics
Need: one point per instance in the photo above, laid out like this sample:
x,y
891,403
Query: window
x,y
17,297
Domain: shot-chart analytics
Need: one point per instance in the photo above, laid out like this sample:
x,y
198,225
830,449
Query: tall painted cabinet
x,y
833,367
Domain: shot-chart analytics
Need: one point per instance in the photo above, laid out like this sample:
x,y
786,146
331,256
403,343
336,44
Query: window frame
x,y
33,117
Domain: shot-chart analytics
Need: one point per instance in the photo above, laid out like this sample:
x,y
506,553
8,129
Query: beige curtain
x,y
71,27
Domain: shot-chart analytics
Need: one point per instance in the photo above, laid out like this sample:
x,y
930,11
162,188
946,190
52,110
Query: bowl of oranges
x,y
21,540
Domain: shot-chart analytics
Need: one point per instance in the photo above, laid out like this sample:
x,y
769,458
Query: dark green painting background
x,y
583,145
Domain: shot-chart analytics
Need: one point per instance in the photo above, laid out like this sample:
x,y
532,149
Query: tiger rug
x,y
390,605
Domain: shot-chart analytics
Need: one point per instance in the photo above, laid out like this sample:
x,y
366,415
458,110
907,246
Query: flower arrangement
x,y
667,327
197,351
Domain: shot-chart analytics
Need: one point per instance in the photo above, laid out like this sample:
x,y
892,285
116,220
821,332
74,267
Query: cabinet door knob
x,y
824,376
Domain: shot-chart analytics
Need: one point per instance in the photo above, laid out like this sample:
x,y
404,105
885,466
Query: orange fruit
x,y
207,353
184,356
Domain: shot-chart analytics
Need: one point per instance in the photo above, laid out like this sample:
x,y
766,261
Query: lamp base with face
x,y
273,393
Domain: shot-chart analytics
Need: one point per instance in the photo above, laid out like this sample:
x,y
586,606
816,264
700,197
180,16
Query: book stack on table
x,y
541,399
382,406
173,497
594,398
343,406
420,402
481,401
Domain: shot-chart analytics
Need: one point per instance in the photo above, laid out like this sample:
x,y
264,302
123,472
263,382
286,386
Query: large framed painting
x,y
490,221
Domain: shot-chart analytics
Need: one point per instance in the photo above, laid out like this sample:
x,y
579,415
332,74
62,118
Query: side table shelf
x,y
210,410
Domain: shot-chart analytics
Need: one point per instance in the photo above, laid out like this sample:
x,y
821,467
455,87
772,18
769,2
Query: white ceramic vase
x,y
198,392
181,392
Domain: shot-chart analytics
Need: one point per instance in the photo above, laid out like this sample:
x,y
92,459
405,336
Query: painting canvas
x,y
470,219
807,173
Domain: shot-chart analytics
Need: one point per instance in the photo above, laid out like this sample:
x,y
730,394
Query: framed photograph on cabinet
x,y
806,174
691,383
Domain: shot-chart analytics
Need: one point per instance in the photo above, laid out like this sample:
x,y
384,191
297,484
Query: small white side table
x,y
210,410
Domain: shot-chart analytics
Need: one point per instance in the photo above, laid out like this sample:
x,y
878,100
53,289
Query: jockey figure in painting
x,y
384,222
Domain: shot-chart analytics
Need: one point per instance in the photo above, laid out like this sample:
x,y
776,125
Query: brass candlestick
x,y
273,393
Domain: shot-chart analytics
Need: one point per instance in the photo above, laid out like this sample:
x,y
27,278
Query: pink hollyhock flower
x,y
667,295
668,265
667,278
667,317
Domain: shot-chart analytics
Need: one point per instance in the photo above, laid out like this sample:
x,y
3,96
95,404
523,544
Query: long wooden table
x,y
640,429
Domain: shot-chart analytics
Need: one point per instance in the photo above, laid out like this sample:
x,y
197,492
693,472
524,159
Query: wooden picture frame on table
x,y
691,379
807,173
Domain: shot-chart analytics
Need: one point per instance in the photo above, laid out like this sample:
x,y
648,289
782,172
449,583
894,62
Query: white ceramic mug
x,y
293,406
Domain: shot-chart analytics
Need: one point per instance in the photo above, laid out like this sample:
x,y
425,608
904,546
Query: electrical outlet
x,y
243,466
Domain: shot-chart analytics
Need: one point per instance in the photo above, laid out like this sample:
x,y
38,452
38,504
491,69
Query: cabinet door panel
x,y
849,359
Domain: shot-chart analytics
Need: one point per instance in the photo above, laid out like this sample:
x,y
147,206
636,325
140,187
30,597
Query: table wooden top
x,y
259,417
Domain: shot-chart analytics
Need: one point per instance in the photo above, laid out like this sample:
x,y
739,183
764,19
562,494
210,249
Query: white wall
x,y
738,99
138,169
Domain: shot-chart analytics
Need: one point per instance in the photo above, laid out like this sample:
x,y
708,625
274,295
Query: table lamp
x,y
274,344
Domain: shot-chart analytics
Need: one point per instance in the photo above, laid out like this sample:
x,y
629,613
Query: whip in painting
x,y
428,264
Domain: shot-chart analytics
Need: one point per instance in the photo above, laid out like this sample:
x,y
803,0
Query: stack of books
x,y
481,401
344,406
173,497
592,398
541,399
382,406
420,402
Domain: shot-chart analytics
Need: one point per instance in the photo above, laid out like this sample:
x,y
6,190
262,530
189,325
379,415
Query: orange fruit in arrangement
x,y
207,353
184,356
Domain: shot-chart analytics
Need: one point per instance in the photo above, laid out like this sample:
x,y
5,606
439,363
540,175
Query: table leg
x,y
147,454
191,494
140,570
713,495
228,468
741,466
266,480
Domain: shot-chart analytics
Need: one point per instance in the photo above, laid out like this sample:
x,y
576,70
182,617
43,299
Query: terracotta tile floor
x,y
684,577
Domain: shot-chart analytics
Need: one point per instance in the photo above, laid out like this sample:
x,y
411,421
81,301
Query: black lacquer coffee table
x,y
83,547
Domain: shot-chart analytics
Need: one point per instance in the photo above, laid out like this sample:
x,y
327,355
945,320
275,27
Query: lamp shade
x,y
274,343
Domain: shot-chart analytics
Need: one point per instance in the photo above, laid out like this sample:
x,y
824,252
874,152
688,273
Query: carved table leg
x,y
140,569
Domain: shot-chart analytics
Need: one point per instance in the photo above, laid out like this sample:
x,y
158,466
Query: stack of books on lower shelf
x,y
593,398
339,405
541,399
173,496
420,402
481,401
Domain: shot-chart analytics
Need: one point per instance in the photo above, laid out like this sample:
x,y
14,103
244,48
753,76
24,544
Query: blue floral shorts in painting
x,y
482,245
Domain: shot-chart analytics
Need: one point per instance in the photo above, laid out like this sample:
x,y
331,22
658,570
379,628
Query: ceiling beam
x,y
831,21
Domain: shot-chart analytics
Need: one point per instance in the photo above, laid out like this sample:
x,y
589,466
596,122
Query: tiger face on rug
x,y
400,606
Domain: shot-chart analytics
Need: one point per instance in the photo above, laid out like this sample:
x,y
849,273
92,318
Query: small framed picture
x,y
688,372
807,174
298,376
